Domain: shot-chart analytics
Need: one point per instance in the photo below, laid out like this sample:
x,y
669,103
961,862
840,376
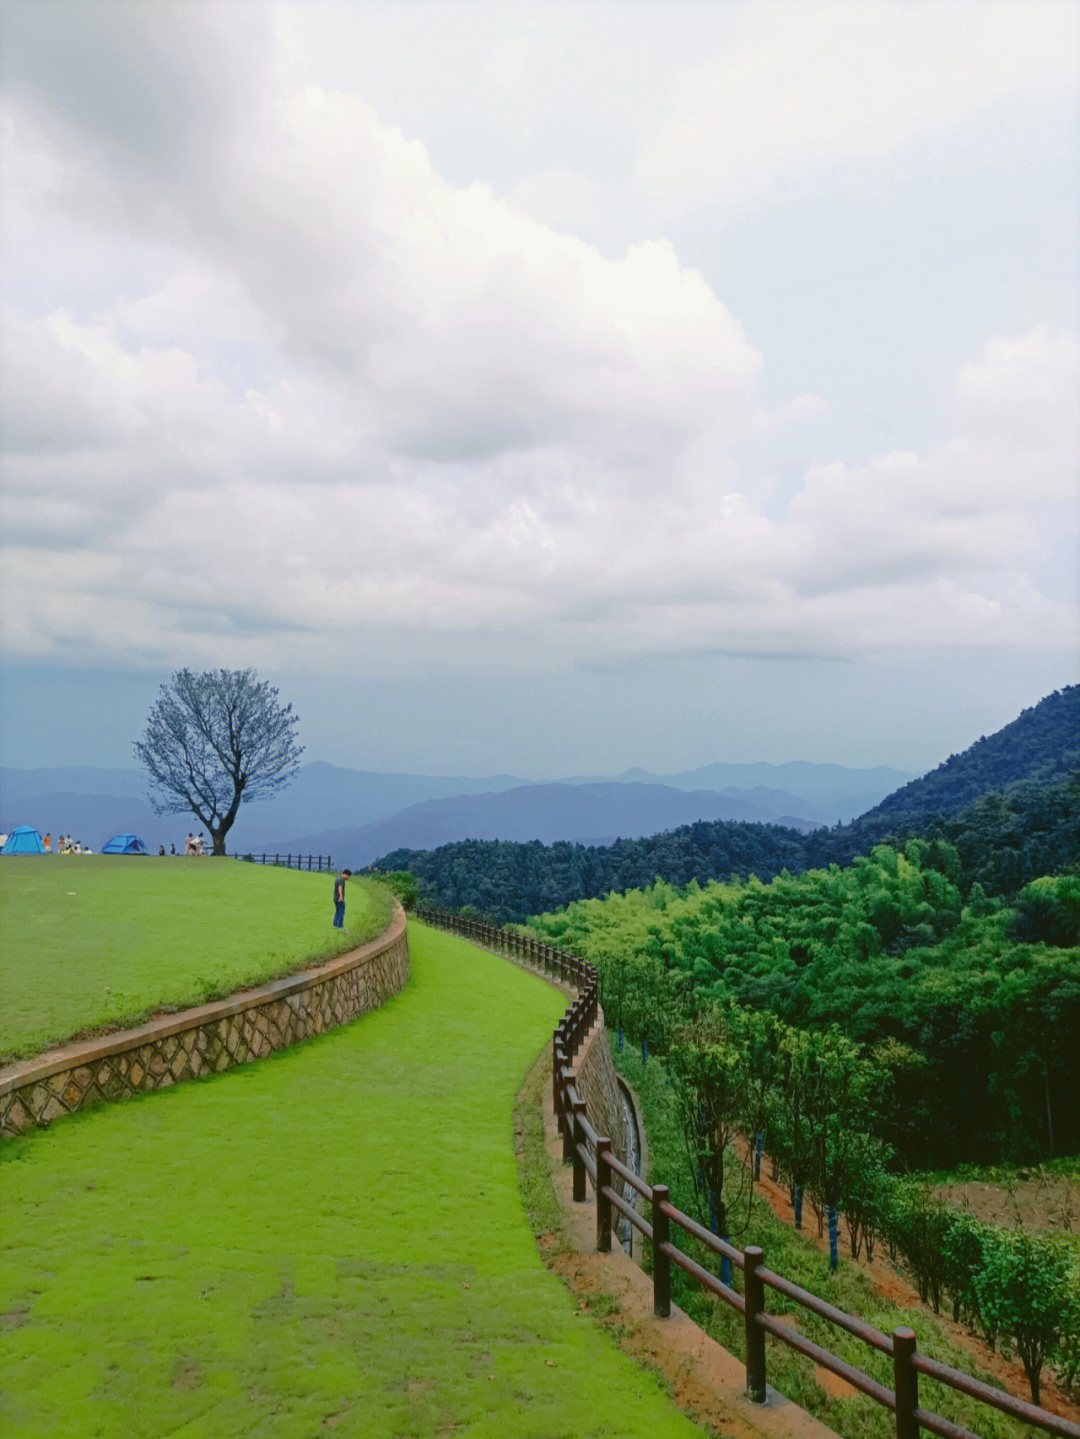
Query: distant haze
x,y
357,816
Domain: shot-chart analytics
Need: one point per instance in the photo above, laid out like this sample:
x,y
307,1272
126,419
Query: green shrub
x,y
1026,1289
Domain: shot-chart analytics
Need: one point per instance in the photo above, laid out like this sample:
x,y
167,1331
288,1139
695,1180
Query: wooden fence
x,y
315,862
594,1162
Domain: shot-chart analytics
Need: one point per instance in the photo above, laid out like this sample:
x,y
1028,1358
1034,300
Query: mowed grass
x,y
329,1241
96,940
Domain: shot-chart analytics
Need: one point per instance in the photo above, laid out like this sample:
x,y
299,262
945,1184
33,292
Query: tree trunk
x,y
1049,1115
854,1235
718,1217
1033,1370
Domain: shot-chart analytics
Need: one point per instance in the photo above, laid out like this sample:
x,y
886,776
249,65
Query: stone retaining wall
x,y
595,1081
174,1047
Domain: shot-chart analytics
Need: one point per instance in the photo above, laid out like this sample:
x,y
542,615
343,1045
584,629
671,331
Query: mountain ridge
x,y
1001,838
549,814
327,798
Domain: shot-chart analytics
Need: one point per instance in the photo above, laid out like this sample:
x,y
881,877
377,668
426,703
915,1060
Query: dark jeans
x,y
339,914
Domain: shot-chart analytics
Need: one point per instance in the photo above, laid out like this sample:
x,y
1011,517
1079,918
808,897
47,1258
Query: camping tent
x,y
23,840
124,844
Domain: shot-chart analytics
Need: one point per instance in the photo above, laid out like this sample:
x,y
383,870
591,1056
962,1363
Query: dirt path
x,y
896,1288
705,1380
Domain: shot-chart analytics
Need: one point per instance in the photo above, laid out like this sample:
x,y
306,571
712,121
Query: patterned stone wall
x,y
595,1082
206,1040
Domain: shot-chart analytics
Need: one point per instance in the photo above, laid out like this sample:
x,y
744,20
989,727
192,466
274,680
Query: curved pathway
x,y
329,1240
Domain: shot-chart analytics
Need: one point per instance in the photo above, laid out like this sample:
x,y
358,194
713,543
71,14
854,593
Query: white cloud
x,y
562,199
807,86
335,398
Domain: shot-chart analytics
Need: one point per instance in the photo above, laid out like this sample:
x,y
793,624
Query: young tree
x,y
215,741
962,1250
653,1004
791,1138
757,1037
1025,1288
863,1180
918,1222
708,1076
615,982
839,1087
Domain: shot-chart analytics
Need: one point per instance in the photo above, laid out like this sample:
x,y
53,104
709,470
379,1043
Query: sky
x,y
546,388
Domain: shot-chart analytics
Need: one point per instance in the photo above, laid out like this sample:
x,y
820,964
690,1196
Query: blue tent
x,y
124,844
24,840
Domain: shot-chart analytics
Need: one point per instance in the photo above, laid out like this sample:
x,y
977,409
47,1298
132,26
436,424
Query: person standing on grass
x,y
339,898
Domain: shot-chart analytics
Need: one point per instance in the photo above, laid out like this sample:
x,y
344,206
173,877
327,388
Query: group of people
x,y
66,845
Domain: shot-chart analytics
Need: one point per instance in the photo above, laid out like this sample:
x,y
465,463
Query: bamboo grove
x,y
856,1025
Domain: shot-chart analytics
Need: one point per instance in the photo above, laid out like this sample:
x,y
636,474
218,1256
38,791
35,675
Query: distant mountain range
x,y
1007,810
834,792
586,812
356,815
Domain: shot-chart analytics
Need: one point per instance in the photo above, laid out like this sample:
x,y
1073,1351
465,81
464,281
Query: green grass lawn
x,y
94,940
329,1241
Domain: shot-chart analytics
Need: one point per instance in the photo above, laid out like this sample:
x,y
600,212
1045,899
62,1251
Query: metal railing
x,y
594,1161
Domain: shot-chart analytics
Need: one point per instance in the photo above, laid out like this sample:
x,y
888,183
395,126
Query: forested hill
x,y
1041,746
1010,805
507,881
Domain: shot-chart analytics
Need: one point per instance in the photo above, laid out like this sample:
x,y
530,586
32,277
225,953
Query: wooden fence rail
x,y
593,1162
313,862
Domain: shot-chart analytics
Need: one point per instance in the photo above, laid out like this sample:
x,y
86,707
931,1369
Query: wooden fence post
x,y
567,1130
905,1383
603,1203
754,1295
578,1134
661,1264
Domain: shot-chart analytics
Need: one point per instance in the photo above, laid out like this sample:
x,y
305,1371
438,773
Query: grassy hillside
x,y
95,940
331,1240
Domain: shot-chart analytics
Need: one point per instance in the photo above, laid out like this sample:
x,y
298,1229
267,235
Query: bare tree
x,y
215,741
